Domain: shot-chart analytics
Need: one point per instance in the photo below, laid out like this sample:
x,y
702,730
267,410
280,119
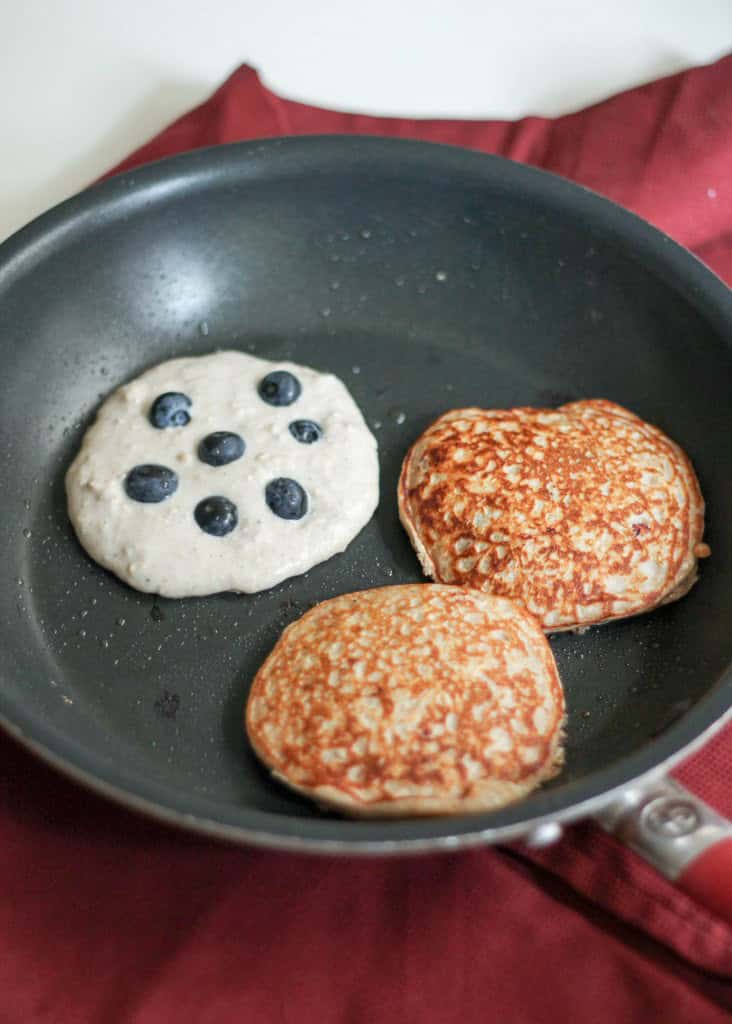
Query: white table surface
x,y
83,82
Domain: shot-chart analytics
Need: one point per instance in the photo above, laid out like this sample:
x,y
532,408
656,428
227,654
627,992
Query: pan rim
x,y
434,835
250,161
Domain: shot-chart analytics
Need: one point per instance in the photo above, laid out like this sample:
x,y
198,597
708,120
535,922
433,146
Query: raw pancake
x,y
583,514
410,700
159,546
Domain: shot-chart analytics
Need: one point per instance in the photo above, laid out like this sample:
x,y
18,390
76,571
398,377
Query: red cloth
x,y
663,150
110,919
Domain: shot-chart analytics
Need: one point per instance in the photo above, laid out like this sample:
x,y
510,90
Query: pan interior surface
x,y
427,278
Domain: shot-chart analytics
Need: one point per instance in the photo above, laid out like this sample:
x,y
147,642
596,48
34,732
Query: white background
x,y
82,82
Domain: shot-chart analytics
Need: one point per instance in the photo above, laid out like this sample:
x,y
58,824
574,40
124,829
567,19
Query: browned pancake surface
x,y
418,699
583,514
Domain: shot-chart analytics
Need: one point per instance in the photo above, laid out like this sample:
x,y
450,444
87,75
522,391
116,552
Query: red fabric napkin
x,y
114,920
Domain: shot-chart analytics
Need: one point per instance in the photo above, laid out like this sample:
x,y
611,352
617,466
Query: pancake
x,y
410,700
584,513
222,472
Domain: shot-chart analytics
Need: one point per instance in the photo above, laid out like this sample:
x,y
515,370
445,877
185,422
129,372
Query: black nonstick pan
x,y
426,277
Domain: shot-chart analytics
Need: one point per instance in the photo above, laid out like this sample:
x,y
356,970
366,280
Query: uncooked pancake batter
x,y
222,472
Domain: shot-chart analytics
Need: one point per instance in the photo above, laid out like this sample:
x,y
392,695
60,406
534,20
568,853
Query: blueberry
x,y
286,498
150,483
216,515
170,410
221,448
305,431
279,388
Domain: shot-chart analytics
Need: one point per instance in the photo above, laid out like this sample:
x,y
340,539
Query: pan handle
x,y
681,836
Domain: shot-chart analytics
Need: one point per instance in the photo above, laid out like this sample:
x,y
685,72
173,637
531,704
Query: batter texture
x,y
222,472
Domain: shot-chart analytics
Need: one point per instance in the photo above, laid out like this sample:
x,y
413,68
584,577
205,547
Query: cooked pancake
x,y
410,700
583,513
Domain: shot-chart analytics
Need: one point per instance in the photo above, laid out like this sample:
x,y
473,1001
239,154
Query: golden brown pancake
x,y
583,513
410,700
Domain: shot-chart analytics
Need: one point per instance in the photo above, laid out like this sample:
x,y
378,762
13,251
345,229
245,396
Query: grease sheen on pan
x,y
584,513
410,700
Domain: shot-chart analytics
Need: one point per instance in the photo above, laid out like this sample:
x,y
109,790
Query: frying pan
x,y
427,277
